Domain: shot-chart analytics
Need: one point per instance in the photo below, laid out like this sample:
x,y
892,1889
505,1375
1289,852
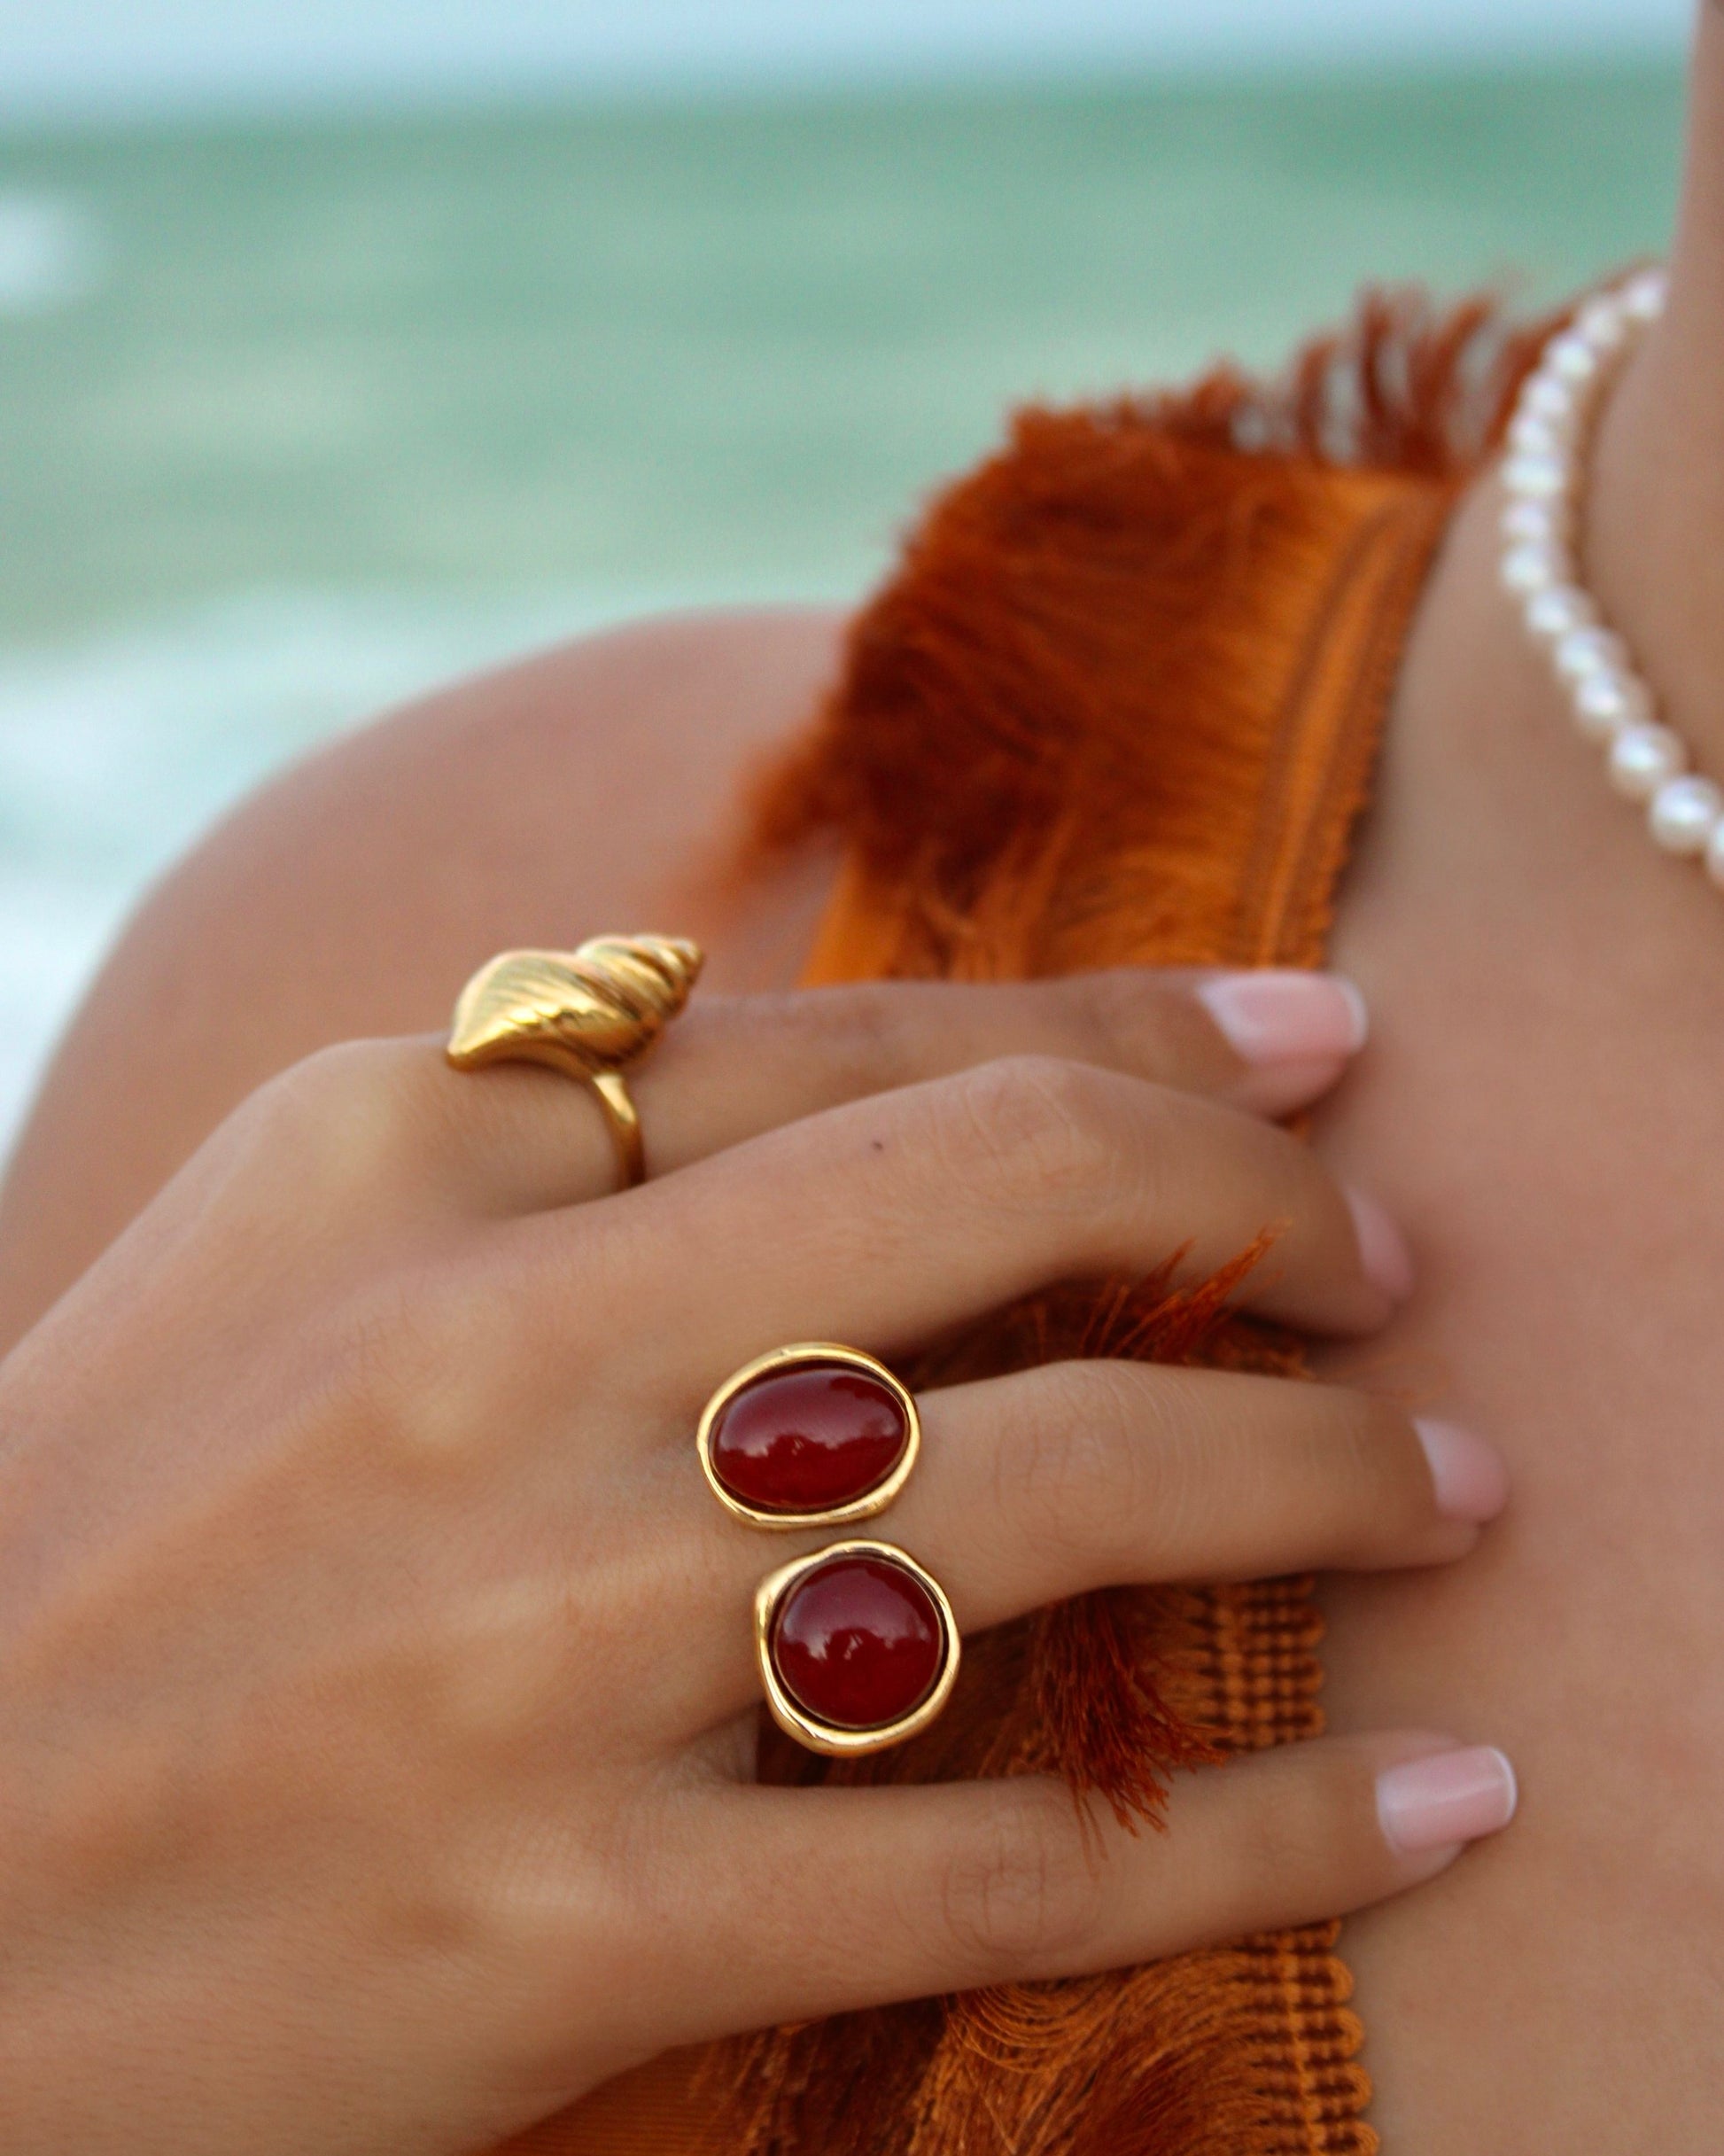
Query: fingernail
x,y
1468,1473
1277,1016
1383,1251
1445,1798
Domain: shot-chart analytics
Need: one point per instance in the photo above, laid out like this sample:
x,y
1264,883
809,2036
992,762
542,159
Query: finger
x,y
1087,1475
1270,1042
885,1221
830,1899
1081,1476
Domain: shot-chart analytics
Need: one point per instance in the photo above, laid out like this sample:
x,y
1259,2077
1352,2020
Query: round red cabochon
x,y
808,1439
858,1642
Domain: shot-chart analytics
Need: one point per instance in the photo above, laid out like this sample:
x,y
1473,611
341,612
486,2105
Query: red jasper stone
x,y
858,1642
808,1438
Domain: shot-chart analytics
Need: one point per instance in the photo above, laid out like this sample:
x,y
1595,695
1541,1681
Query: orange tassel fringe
x,y
1119,708
1115,708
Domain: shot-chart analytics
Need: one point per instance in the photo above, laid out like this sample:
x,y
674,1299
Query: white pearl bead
x,y
1606,702
1571,358
1552,613
1543,478
1642,297
1548,397
1684,814
1584,651
1532,435
1642,759
1541,523
1528,569
1602,324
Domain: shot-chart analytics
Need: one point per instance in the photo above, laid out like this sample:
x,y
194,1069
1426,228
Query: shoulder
x,y
587,788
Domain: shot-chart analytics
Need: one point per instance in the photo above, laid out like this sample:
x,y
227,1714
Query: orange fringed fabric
x,y
1118,706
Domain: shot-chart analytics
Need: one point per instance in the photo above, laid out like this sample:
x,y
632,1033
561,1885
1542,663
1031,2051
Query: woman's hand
x,y
377,1692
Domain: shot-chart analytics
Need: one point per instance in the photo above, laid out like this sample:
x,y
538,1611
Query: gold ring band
x,y
592,1012
611,1093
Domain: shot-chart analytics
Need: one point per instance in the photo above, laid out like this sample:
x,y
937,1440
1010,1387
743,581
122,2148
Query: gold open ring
x,y
814,1435
591,1013
857,1647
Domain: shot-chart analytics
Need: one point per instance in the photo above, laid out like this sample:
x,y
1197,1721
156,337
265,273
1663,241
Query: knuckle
x,y
420,1371
859,1037
1375,1445
1031,1129
336,1118
88,1833
1023,1894
1130,1019
847,1041
864,1030
1379,1484
1302,1836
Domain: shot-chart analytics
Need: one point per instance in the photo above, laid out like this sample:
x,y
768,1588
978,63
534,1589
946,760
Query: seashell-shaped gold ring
x,y
592,1012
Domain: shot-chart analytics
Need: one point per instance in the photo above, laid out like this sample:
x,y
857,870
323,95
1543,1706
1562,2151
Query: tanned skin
x,y
1542,1107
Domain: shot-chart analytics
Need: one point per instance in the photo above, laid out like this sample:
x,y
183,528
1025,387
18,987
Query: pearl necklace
x,y
1542,476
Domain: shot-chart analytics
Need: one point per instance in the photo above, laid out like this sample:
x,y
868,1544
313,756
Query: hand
x,y
376,1696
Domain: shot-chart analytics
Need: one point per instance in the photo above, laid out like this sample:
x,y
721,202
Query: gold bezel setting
x,y
833,1738
872,1502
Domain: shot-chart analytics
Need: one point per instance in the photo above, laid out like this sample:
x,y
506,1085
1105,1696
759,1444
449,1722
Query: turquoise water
x,y
295,418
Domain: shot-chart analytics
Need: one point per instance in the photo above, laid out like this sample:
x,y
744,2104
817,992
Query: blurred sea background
x,y
329,369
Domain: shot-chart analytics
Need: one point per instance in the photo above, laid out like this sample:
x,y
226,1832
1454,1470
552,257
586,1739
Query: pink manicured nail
x,y
1277,1016
1383,1251
1446,1798
1471,1483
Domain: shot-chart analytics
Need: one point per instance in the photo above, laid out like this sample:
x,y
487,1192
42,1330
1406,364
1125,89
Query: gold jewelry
x,y
591,1013
813,1434
857,1646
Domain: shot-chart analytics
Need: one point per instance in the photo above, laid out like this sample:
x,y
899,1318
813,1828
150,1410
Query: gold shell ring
x,y
592,1012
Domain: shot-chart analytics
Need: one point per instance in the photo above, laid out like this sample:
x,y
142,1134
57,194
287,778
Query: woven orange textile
x,y
1119,706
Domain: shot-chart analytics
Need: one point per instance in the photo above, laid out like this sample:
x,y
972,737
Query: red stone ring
x,y
809,1435
856,1645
